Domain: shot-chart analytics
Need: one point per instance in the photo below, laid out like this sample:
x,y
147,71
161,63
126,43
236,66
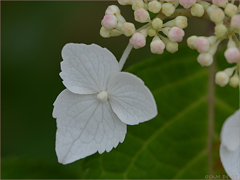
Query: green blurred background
x,y
33,34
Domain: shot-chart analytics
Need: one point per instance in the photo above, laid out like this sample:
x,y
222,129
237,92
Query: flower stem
x,y
125,56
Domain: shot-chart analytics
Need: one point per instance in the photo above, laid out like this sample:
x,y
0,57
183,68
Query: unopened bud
x,y
232,55
152,32
234,81
235,22
125,2
172,47
180,21
168,9
141,15
109,22
210,8
187,3
220,30
113,9
128,29
175,34
205,59
202,44
137,4
221,78
220,3
217,15
191,41
154,6
157,24
230,10
205,4
157,45
138,40
197,10
109,33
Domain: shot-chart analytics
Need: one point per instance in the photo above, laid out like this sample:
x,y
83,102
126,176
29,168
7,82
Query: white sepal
x,y
86,68
85,126
230,161
130,99
230,132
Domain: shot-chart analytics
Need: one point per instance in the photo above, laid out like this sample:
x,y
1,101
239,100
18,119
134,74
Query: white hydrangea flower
x,y
229,149
99,101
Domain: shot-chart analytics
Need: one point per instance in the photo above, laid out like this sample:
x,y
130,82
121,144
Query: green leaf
x,y
175,143
35,168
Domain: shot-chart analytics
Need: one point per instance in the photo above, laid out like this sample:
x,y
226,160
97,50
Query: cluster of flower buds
x,y
218,11
232,55
207,47
164,35
229,75
167,34
227,22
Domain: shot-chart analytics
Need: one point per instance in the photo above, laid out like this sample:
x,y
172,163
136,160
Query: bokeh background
x,y
32,36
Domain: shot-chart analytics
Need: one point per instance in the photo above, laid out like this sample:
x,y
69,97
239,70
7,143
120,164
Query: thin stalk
x,y
129,49
125,56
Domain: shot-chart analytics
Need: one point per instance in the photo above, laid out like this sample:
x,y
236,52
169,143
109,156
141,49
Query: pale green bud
x,y
128,29
231,10
191,41
220,30
221,78
152,32
197,10
157,23
154,6
217,15
234,81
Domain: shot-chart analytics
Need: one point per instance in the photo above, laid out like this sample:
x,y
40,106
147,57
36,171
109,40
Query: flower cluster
x,y
164,35
227,22
224,14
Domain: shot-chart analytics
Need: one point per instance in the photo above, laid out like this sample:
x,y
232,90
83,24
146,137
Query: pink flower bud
x,y
187,3
232,55
138,40
157,46
141,15
202,44
235,22
220,3
109,21
175,34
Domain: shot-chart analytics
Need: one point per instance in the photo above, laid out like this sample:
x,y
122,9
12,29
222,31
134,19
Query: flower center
x,y
102,96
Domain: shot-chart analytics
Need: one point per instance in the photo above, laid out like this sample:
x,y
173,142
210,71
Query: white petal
x,y
130,99
230,161
86,68
230,132
85,126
